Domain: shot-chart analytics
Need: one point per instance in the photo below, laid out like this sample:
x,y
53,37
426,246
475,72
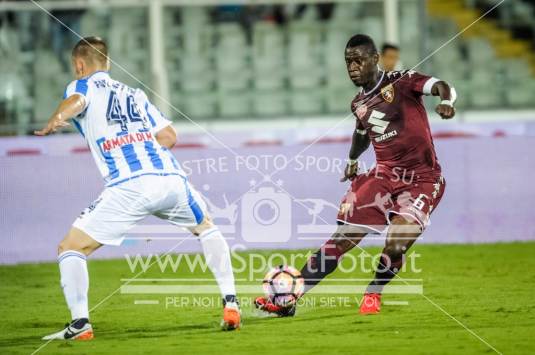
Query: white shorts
x,y
120,207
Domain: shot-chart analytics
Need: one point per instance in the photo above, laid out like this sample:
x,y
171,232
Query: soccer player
x,y
129,139
406,184
389,57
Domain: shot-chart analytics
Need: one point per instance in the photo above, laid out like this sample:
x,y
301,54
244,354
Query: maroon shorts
x,y
375,197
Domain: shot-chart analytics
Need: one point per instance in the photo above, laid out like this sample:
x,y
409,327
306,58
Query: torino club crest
x,y
388,93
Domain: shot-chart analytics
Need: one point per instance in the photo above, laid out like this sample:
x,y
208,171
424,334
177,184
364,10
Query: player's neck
x,y
89,72
373,82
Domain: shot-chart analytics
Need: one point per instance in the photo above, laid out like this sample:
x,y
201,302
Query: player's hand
x,y
350,172
445,111
51,127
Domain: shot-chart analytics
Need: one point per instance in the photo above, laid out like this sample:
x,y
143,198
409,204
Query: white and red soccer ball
x,y
283,285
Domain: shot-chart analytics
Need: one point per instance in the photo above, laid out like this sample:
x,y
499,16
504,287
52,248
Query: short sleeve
x,y
79,87
419,83
156,118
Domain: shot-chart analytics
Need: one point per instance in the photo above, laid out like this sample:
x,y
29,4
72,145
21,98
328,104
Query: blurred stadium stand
x,y
264,61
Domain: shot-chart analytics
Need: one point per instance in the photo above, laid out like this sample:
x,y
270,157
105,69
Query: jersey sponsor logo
x,y
386,136
378,124
130,138
388,93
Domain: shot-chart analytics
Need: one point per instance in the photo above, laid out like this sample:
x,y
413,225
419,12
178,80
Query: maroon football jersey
x,y
394,117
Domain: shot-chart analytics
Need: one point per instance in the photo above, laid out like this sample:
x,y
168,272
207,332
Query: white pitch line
x,y
396,303
146,302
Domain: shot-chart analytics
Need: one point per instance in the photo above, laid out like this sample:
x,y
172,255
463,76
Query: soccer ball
x,y
283,285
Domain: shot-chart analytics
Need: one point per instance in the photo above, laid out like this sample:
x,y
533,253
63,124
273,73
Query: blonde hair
x,y
92,49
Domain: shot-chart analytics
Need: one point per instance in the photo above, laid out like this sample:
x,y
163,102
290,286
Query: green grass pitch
x,y
488,288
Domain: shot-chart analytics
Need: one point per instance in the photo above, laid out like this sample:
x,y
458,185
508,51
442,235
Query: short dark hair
x,y
93,49
388,46
362,40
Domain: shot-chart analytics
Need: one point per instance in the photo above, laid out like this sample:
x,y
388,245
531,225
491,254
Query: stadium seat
x,y
452,74
520,93
447,55
307,101
516,69
199,105
336,36
194,17
296,68
409,16
232,59
49,84
195,74
482,76
304,64
338,90
231,47
268,56
374,27
464,94
128,40
480,51
198,41
238,80
483,96
12,110
270,103
345,12
338,98
233,104
197,82
93,22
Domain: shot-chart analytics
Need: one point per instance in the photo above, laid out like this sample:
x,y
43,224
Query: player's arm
x,y
447,96
72,106
359,144
161,127
422,84
166,137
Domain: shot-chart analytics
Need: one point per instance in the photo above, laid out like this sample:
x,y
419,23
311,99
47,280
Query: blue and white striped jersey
x,y
119,124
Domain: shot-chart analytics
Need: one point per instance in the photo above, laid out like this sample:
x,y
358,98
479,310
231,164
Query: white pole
x,y
391,17
157,56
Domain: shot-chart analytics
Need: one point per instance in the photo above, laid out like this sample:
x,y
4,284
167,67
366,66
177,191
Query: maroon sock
x,y
386,270
320,264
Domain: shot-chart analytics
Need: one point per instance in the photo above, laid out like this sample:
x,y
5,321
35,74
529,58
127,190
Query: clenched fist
x,y
445,111
350,172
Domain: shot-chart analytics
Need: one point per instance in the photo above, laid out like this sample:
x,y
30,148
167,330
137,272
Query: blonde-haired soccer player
x,y
129,139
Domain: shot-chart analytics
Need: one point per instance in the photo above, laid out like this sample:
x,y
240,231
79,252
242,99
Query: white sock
x,y
217,255
75,282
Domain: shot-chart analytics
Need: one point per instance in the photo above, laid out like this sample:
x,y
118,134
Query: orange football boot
x,y
371,303
231,317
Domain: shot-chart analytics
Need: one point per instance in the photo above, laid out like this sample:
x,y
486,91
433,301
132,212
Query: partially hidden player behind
x,y
129,139
389,58
404,187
